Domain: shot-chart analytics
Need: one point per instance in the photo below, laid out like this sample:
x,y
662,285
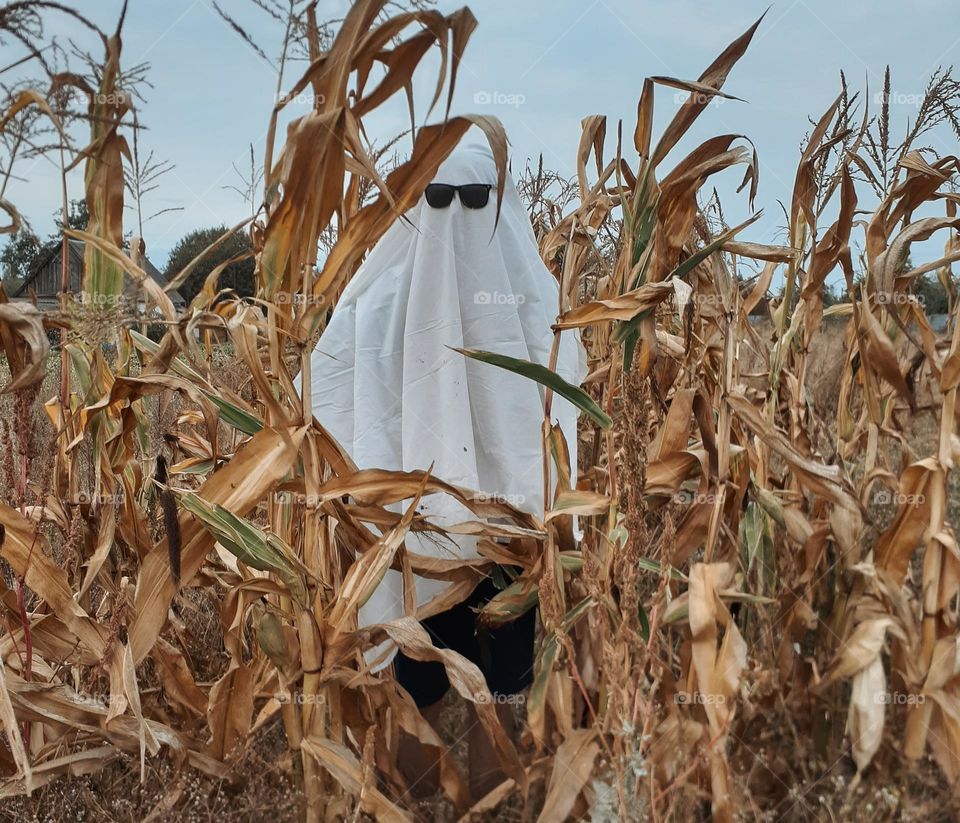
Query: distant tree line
x,y
928,288
237,276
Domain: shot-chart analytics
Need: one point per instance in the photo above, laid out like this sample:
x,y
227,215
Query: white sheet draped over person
x,y
387,384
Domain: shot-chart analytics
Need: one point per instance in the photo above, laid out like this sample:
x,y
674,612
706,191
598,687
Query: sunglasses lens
x,y
475,195
439,195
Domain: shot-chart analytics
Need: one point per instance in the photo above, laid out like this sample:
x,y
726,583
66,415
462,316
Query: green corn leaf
x,y
235,416
259,550
545,377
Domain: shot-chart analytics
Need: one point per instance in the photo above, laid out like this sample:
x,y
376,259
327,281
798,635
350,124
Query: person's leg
x,y
427,683
485,772
505,656
417,763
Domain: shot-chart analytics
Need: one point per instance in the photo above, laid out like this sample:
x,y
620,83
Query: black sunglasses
x,y
472,195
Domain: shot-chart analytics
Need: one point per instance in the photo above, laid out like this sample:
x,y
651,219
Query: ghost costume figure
x,y
387,384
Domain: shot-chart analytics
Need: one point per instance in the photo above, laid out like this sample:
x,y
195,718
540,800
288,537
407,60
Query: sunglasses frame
x,y
458,191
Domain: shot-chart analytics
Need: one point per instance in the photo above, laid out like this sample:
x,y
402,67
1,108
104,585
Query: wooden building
x,y
47,276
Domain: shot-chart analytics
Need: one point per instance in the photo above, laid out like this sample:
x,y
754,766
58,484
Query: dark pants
x,y
504,653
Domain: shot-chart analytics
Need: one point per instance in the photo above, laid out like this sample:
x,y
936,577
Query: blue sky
x,y
540,66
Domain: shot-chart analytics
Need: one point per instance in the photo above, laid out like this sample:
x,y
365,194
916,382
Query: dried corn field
x,y
760,619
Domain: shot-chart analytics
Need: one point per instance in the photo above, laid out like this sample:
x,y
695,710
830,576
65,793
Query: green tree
x,y
78,216
834,294
929,289
18,258
237,276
